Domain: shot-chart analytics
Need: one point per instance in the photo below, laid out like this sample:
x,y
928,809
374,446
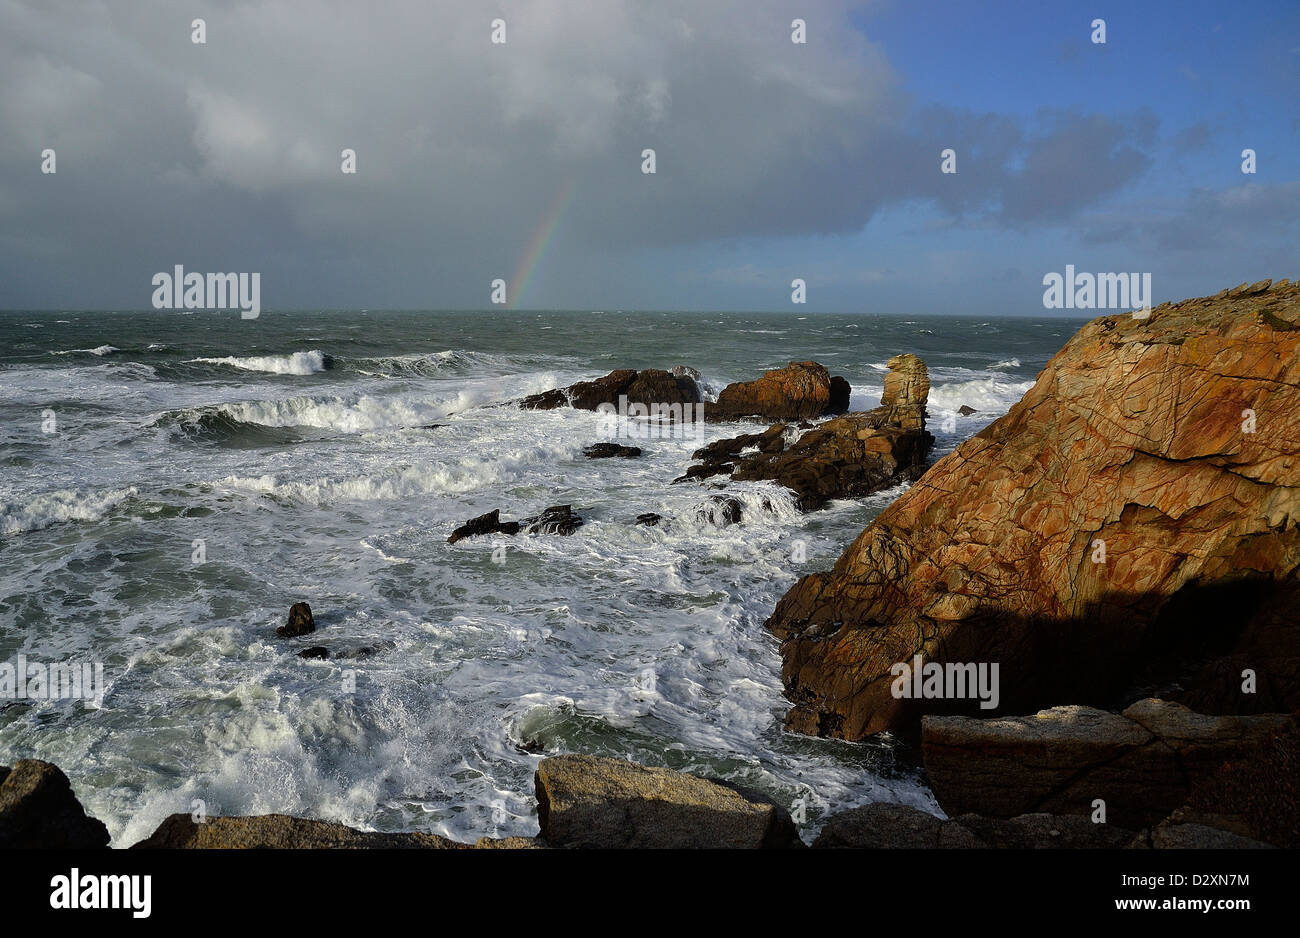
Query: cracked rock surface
x,y
1130,525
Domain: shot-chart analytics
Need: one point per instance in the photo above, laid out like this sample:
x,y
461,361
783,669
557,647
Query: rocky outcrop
x,y
1141,763
585,801
558,519
900,827
1130,524
38,811
300,622
845,457
798,391
281,832
651,386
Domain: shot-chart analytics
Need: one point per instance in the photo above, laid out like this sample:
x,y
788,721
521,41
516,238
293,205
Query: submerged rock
x,y
558,519
300,622
587,801
38,811
1129,524
489,523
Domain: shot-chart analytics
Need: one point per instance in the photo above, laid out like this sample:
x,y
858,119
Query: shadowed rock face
x,y
587,801
1142,762
39,811
900,827
1131,522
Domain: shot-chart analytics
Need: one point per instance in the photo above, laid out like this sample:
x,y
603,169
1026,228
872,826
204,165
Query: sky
x,y
522,160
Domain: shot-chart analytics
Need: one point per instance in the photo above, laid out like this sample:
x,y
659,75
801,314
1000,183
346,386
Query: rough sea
x,y
171,482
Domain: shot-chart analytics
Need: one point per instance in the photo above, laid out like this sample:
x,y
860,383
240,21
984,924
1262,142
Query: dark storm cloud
x,y
225,156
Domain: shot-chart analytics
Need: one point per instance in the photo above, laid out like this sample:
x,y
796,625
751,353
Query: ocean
x,y
172,482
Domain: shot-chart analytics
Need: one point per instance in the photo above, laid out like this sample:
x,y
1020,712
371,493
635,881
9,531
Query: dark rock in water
x,y
38,811
845,457
586,801
726,510
608,450
708,470
300,622
280,832
651,386
315,651
489,523
966,411
654,386
558,519
433,426
649,518
799,390
369,651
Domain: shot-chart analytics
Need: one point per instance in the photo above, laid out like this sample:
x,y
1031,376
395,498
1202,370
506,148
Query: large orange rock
x,y
1130,525
798,391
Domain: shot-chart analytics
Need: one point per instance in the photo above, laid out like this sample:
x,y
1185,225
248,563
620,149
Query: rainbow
x,y
539,242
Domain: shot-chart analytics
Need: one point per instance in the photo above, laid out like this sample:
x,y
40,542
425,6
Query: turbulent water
x,y
326,457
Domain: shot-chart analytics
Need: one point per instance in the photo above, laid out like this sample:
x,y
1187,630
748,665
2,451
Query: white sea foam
x,y
297,363
100,350
41,511
990,395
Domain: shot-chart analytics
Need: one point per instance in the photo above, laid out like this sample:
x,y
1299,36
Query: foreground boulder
x,y
900,827
1141,763
798,391
1131,523
39,811
586,801
845,457
281,832
1253,795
